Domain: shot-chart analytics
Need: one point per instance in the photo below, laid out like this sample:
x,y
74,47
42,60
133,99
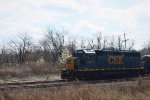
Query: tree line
x,y
22,49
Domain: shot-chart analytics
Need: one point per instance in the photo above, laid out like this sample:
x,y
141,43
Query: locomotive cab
x,y
86,58
82,59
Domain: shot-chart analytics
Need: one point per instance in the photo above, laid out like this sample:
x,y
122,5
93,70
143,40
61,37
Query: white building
x,y
66,53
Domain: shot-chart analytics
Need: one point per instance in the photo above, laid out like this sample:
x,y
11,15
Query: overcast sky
x,y
79,17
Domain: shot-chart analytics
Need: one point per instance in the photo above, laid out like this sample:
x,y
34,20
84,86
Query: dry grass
x,y
45,68
14,71
140,90
30,69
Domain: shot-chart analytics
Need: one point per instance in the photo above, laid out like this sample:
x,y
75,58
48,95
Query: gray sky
x,y
79,17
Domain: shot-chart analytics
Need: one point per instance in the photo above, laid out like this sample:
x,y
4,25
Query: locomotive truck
x,y
96,64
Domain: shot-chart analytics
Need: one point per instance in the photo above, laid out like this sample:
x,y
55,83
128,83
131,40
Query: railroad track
x,y
36,84
58,83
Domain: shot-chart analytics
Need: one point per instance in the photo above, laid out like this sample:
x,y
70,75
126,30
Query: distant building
x,y
40,61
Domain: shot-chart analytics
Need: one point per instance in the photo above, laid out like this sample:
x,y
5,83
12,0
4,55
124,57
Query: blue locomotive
x,y
91,64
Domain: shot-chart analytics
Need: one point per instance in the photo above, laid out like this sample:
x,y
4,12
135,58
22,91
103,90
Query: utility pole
x,y
125,40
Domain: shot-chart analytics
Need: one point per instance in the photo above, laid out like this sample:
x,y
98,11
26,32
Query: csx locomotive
x,y
91,64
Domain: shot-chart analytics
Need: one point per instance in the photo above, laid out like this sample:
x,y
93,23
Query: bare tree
x,y
47,48
131,44
72,43
119,42
112,43
105,42
82,44
91,44
35,52
21,47
2,55
99,39
146,49
54,43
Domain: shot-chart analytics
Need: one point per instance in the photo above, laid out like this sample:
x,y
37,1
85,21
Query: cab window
x,y
90,59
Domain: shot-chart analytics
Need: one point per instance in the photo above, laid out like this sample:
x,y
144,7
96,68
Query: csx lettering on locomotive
x,y
115,59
